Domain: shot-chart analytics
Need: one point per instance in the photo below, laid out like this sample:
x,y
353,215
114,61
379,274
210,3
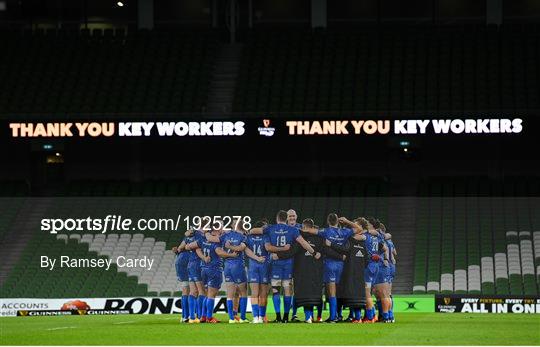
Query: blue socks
x,y
287,300
230,309
243,307
357,315
192,302
209,307
294,308
255,310
262,311
202,308
370,313
379,307
277,303
185,307
333,307
385,315
308,312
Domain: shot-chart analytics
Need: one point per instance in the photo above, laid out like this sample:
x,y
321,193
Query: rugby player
x,y
352,287
308,270
197,291
333,268
210,254
258,273
392,253
374,246
382,280
181,266
235,273
292,218
281,237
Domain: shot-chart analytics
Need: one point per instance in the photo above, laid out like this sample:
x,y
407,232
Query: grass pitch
x,y
410,329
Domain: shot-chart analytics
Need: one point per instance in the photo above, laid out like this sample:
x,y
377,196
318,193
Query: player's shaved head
x,y
291,217
332,219
281,216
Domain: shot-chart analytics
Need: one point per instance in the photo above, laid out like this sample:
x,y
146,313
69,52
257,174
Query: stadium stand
x,y
27,279
466,241
8,211
473,235
456,69
265,199
61,72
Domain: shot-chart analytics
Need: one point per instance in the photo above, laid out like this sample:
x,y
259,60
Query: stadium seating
x,y
64,72
8,211
27,279
468,242
442,69
154,199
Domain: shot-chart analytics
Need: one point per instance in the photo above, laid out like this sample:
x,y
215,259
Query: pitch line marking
x,y
59,328
126,322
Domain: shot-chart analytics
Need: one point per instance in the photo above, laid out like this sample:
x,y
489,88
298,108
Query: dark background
x,y
249,157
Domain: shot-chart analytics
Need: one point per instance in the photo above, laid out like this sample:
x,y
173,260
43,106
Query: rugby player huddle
x,y
348,262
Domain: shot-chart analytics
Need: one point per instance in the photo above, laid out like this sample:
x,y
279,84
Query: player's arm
x,y
274,249
312,230
305,245
238,248
359,237
180,248
192,246
332,253
386,254
254,256
223,254
344,250
355,228
200,254
288,253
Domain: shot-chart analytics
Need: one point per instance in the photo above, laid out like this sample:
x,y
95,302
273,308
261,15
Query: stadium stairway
x,y
402,226
223,83
20,231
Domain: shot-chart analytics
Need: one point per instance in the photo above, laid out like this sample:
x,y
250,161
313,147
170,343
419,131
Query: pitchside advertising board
x,y
266,128
487,304
155,305
171,305
152,305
